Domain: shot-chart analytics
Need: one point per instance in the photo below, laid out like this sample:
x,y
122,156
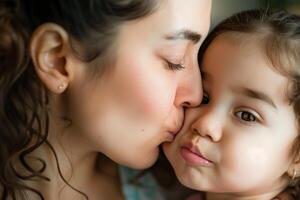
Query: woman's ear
x,y
49,50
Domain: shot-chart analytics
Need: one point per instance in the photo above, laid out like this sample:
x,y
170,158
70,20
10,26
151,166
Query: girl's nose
x,y
208,125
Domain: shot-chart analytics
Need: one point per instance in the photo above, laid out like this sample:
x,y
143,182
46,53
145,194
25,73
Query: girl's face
x,y
239,141
137,103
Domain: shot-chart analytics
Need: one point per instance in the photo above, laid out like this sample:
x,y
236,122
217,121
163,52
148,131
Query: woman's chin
x,y
144,162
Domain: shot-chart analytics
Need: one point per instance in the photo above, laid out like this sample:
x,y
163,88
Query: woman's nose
x,y
189,92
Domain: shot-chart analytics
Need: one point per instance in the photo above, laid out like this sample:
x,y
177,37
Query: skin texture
x,y
126,111
245,138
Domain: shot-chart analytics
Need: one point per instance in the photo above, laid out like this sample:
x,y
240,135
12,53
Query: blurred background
x,y
224,8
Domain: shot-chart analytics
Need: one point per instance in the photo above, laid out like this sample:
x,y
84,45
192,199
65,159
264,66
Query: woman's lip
x,y
171,136
192,155
173,133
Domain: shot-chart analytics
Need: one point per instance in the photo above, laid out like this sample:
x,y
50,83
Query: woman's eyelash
x,y
174,66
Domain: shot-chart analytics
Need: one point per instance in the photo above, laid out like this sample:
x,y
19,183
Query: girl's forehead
x,y
245,65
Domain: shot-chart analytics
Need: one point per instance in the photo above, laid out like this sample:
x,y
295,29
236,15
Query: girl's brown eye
x,y
246,116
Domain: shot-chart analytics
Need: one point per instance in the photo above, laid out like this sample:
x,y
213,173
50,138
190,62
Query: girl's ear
x,y
294,169
49,50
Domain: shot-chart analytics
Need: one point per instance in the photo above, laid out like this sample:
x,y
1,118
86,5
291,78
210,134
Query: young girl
x,y
243,142
86,85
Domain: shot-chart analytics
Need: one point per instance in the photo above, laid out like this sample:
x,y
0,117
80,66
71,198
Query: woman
x,y
79,78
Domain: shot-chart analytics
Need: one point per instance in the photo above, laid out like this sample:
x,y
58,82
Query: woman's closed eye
x,y
174,66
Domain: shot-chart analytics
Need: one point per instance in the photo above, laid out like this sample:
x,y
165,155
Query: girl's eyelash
x,y
247,116
250,117
174,66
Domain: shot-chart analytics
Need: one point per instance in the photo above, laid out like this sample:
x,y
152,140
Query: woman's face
x,y
137,103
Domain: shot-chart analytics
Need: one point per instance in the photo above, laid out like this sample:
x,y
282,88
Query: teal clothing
x,y
145,188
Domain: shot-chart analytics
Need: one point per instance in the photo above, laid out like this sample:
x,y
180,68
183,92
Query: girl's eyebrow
x,y
256,95
184,34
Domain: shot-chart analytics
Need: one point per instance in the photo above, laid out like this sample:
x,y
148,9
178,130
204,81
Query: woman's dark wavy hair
x,y
278,32
93,24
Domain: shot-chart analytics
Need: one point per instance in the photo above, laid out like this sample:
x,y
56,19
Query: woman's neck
x,y
78,168
95,175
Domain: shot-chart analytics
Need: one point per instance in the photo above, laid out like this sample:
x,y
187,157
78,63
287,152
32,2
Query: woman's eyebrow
x,y
184,34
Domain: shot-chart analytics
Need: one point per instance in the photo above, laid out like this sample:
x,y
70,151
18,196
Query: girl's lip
x,y
192,155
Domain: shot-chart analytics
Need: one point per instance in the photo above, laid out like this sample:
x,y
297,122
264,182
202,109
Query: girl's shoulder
x,y
139,185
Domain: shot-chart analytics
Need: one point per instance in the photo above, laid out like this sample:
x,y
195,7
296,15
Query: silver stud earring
x,y
61,87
